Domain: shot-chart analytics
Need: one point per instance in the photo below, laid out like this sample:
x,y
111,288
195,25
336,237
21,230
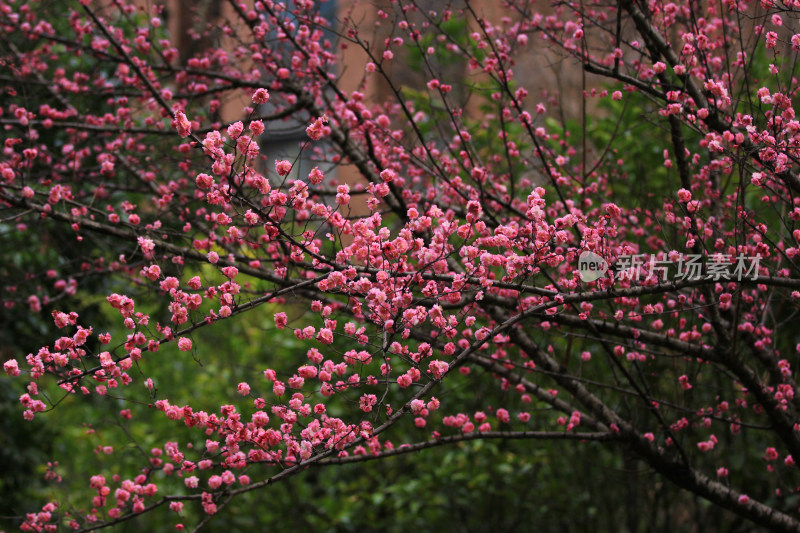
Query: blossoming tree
x,y
426,247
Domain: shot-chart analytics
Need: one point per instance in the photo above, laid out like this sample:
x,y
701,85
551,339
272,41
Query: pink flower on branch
x,y
260,96
182,124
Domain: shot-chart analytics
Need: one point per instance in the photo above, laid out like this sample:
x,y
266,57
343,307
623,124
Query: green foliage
x,y
24,450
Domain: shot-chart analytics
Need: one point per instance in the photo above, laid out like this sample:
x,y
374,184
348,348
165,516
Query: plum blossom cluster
x,y
428,249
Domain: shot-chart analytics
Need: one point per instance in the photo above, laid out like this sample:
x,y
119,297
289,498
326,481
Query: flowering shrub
x,y
427,247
